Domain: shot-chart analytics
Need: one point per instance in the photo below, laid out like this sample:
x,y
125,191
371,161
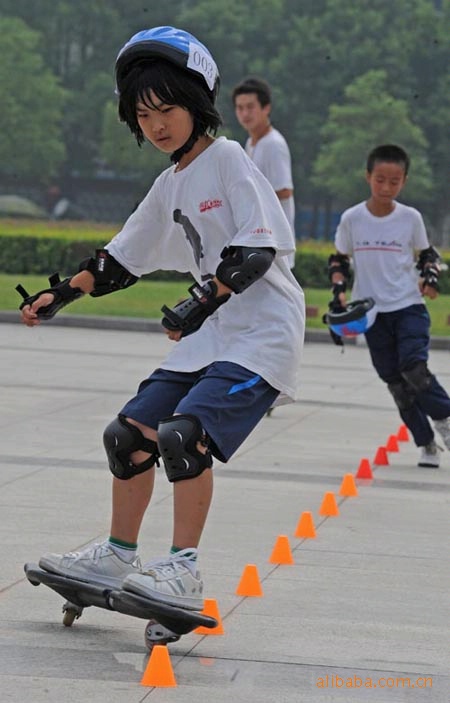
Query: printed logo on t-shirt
x,y
261,230
191,233
209,204
377,244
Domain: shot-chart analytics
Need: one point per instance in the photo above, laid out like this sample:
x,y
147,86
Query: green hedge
x,y
45,255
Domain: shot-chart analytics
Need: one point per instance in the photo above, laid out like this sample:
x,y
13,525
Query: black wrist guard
x,y
335,305
189,315
431,276
62,292
338,263
428,265
337,289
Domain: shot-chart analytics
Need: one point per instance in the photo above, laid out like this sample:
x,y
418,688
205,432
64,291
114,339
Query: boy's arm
x,y
339,274
97,276
40,306
240,268
428,265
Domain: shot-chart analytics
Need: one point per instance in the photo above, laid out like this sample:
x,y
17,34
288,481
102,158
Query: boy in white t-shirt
x,y
383,236
265,145
239,333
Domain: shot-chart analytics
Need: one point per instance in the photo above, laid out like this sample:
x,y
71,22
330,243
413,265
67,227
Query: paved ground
x,y
366,602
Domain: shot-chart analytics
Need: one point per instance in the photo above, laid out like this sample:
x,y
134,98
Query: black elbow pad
x,y
109,275
242,266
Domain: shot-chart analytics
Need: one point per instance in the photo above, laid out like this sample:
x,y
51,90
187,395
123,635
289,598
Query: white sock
x,y
124,553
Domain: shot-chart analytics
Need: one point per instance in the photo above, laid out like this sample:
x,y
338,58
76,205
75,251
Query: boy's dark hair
x,y
172,86
389,153
253,84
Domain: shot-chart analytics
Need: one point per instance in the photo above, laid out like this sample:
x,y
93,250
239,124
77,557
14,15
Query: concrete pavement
x,y
366,602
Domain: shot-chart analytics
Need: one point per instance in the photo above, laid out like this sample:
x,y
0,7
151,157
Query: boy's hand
x,y
429,281
46,303
428,291
29,313
337,304
339,301
174,335
189,315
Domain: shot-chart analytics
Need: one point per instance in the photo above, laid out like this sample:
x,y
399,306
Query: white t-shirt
x,y
383,251
272,157
184,223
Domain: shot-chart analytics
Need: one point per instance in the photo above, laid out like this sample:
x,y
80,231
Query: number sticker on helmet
x,y
201,61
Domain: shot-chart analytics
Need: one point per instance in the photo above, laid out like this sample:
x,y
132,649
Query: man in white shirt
x,y
265,145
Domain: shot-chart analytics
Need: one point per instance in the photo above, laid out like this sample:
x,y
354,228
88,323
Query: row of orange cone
x,y
159,672
381,457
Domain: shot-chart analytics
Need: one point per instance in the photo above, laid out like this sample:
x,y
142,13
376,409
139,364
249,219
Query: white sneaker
x,y
443,427
429,457
95,564
173,580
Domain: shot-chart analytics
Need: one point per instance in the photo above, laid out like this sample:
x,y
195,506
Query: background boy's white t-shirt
x,y
184,223
272,156
383,251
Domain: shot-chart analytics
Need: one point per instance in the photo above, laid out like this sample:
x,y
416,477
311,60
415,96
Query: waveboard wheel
x,y
71,613
157,634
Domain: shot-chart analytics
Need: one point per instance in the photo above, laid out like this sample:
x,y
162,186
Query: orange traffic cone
x,y
381,457
210,608
249,585
305,527
158,671
348,486
281,553
392,444
329,507
364,469
403,434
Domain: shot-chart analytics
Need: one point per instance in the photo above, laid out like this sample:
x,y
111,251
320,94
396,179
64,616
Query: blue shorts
x,y
228,399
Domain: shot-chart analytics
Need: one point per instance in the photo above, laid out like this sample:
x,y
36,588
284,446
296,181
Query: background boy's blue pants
x,y
397,340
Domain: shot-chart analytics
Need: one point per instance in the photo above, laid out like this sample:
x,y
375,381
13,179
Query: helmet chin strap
x,y
187,146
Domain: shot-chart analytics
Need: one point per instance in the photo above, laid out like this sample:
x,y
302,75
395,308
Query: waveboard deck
x,y
81,594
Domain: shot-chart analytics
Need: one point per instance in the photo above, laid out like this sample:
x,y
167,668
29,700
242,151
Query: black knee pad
x,y
121,439
404,396
177,442
418,376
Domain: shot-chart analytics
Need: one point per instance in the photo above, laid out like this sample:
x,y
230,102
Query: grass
x,y
70,230
146,298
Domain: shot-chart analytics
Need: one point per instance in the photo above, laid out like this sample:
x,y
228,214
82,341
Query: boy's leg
x,y
191,501
414,340
109,562
129,503
223,406
384,343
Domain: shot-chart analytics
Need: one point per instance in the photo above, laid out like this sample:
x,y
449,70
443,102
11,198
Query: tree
x,y
309,51
327,45
80,41
242,38
32,103
369,116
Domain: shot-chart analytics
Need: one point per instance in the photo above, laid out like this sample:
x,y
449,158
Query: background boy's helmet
x,y
356,319
175,45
